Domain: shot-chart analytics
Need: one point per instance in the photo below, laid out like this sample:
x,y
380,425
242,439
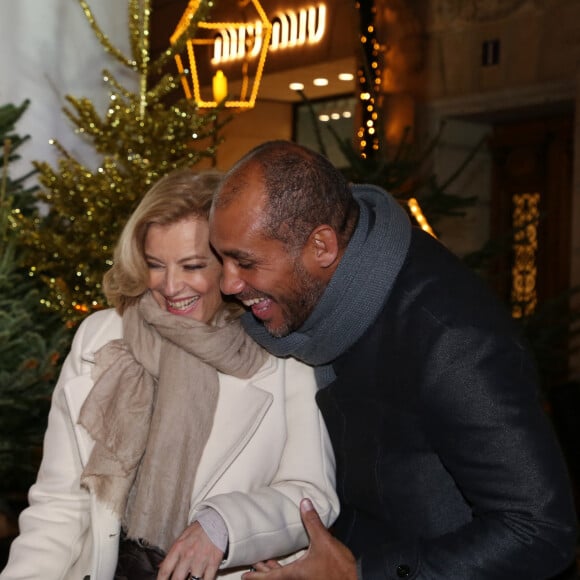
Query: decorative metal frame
x,y
247,98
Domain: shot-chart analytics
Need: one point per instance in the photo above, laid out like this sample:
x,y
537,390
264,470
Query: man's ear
x,y
321,250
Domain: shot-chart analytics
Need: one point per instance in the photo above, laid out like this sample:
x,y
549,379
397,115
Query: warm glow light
x,y
525,220
320,82
220,86
296,86
292,28
345,77
232,42
417,213
369,87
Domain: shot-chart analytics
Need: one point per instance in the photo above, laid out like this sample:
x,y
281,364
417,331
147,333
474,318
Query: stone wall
x,y
539,43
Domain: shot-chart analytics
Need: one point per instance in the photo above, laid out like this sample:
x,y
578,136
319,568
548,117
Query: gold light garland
x,y
525,219
369,81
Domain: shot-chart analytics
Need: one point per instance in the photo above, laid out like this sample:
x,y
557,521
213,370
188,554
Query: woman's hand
x,y
192,554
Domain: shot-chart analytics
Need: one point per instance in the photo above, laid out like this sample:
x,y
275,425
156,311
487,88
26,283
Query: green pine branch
x,y
31,337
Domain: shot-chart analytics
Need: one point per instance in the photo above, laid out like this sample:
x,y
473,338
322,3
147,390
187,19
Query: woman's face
x,y
184,273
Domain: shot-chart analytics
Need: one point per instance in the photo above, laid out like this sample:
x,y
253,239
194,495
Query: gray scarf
x,y
357,291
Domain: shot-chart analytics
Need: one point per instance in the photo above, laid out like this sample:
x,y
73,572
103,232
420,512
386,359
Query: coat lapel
x,y
241,408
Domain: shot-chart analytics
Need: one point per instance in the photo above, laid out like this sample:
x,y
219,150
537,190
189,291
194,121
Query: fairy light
x,y
417,213
369,81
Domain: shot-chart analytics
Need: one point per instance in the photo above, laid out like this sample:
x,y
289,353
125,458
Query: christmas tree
x,y
142,135
31,337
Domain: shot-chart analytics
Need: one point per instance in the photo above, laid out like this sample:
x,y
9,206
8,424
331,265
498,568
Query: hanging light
x,y
219,50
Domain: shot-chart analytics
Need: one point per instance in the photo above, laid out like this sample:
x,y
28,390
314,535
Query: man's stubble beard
x,y
305,294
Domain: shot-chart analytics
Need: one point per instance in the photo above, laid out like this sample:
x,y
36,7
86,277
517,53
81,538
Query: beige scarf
x,y
151,411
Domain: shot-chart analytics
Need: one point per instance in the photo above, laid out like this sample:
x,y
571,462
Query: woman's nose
x,y
173,282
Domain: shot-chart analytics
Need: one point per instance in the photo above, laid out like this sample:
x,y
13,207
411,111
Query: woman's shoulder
x,y
108,318
98,328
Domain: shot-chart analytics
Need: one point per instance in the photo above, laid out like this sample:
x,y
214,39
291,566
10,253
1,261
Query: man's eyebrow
x,y
238,254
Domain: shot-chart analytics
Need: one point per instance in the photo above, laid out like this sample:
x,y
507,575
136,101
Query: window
x,y
334,115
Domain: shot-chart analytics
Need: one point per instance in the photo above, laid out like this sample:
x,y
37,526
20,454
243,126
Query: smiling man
x,y
277,285
447,465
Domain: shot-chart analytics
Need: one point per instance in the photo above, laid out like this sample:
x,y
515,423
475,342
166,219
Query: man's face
x,y
258,271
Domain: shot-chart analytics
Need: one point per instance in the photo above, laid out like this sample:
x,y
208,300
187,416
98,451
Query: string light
x,y
369,81
417,213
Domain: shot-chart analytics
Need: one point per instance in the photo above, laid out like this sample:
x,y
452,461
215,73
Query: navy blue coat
x,y
447,464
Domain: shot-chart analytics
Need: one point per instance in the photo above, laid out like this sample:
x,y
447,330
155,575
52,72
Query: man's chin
x,y
277,330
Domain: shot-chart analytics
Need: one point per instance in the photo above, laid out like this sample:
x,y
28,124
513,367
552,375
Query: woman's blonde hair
x,y
180,194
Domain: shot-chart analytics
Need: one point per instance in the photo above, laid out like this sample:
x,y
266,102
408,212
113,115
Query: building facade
x,y
506,72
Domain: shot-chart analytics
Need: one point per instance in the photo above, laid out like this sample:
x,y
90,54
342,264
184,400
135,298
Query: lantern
x,y
226,58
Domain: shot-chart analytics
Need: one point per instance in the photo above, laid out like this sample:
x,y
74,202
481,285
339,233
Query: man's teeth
x,y
252,301
182,304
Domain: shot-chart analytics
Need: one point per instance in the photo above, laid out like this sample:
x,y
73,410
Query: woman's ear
x,y
321,249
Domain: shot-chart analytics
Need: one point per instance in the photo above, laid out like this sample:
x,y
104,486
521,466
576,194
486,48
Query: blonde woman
x,y
176,446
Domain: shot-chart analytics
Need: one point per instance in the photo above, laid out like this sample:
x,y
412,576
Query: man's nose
x,y
231,283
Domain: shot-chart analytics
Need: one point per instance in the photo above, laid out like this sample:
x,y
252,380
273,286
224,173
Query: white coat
x,y
268,449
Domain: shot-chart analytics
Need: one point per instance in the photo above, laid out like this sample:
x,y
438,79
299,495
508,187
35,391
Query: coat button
x,y
403,571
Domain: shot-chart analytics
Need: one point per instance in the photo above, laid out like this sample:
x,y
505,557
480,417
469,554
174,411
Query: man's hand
x,y
193,553
326,557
